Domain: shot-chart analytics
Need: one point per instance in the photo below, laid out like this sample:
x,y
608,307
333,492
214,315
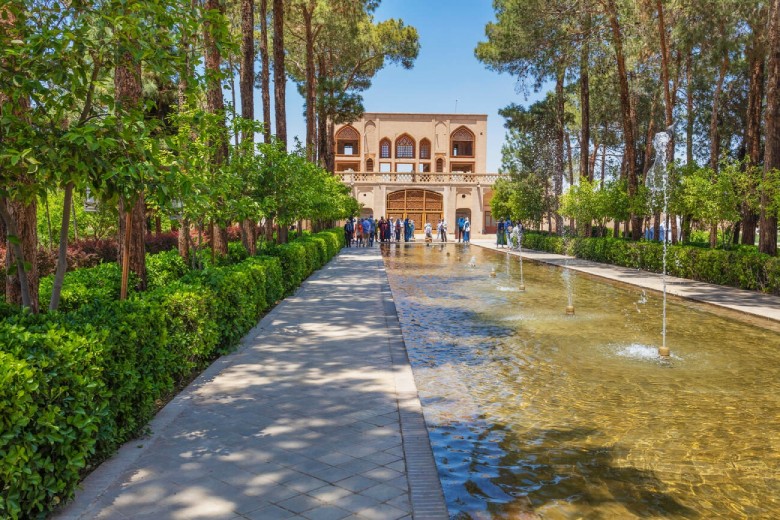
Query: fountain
x,y
566,275
529,410
521,287
658,183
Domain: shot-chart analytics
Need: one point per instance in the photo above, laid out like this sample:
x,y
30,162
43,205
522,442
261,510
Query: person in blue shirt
x,y
501,233
466,231
461,222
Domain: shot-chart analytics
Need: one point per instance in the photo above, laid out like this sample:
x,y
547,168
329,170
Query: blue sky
x,y
445,70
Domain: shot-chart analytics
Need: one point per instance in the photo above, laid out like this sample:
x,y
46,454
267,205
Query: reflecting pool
x,y
535,414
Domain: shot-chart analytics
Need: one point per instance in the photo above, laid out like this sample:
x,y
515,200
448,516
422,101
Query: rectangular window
x,y
384,167
404,168
348,149
424,167
403,151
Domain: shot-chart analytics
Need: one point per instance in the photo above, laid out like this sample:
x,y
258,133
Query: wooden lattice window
x,y
425,149
439,165
348,141
462,141
404,147
369,165
384,149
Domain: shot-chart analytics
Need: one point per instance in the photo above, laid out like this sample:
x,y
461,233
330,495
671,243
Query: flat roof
x,y
440,115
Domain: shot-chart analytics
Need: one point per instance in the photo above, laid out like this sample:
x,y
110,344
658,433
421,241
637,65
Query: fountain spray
x,y
658,182
520,256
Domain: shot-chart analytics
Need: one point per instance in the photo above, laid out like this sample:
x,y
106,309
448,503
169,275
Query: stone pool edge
x,y
753,304
425,489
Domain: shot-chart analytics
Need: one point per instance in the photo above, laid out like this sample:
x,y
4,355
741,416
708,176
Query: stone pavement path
x,y
315,416
748,302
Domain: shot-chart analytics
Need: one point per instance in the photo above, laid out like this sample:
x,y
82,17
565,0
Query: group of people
x,y
366,231
509,234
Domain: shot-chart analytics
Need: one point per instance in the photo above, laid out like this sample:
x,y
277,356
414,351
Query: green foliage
x,y
52,402
742,268
83,286
163,268
75,385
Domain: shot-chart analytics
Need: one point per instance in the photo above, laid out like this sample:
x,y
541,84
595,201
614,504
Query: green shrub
x,y
82,286
76,384
744,268
164,268
52,401
136,366
191,325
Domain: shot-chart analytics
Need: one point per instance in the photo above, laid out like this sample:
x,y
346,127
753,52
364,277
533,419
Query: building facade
x,y
421,166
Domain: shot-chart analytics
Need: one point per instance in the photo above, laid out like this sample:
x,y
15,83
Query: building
x,y
421,166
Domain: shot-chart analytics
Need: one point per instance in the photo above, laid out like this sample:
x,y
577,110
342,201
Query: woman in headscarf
x,y
501,233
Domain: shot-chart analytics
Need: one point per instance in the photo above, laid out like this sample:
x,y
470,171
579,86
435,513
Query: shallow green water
x,y
535,414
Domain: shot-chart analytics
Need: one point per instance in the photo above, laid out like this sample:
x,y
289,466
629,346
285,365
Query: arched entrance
x,y
419,205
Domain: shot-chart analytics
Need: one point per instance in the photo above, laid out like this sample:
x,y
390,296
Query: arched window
x,y
404,147
425,149
439,165
384,149
347,141
369,165
462,143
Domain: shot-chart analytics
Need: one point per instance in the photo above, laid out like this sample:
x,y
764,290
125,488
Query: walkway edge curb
x,y
425,488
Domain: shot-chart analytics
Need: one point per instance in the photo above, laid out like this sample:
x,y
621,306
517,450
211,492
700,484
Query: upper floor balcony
x,y
449,178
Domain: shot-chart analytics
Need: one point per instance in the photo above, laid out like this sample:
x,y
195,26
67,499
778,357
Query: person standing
x,y
371,231
501,233
444,230
349,231
466,231
358,233
438,230
398,229
366,231
461,223
406,229
428,232
411,230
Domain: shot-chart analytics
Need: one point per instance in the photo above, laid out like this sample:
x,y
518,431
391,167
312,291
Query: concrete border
x,y
749,304
425,488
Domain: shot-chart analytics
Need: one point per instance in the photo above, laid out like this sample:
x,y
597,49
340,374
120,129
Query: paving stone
x,y
303,420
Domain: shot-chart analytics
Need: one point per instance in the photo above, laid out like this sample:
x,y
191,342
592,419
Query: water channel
x,y
533,414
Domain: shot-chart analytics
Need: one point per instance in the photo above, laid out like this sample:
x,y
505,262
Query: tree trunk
x,y
265,73
137,232
127,86
715,134
307,11
21,221
559,146
629,133
585,171
62,256
756,65
247,81
247,73
279,73
767,241
215,104
689,115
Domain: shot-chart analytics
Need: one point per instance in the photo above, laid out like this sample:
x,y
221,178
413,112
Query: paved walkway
x,y
749,302
315,416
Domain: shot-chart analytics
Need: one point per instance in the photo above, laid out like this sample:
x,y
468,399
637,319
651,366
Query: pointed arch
x,y
425,148
384,148
439,165
404,147
369,165
462,142
347,141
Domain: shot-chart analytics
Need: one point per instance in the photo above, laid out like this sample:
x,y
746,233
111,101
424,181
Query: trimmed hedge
x,y
744,269
76,384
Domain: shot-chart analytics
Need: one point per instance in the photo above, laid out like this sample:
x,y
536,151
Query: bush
x,y
164,268
52,401
744,268
75,385
100,283
190,321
